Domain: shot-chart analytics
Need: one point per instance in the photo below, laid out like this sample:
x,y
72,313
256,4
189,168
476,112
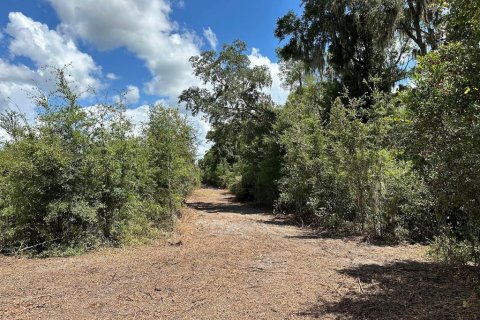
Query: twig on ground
x,y
360,285
35,245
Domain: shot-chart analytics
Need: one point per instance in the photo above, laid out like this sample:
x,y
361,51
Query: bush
x,y
79,178
445,137
450,251
349,172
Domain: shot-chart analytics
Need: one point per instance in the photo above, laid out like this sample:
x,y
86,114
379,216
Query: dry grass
x,y
231,261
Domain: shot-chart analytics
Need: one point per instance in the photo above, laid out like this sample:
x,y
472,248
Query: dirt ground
x,y
231,261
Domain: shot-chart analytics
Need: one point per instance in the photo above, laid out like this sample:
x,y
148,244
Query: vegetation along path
x,y
231,261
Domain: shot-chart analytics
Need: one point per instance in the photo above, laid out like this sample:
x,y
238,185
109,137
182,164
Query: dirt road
x,y
230,261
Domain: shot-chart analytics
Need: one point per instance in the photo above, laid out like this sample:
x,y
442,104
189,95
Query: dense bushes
x,y
348,173
445,136
78,178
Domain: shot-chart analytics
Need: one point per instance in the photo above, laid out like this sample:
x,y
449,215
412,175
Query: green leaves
x,y
446,138
235,89
352,41
79,177
241,113
346,173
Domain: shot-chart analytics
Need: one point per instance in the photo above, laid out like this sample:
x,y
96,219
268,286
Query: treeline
x,y
79,178
380,135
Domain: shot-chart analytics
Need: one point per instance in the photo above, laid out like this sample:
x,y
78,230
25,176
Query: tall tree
x,y
242,115
355,41
422,21
463,22
236,90
347,40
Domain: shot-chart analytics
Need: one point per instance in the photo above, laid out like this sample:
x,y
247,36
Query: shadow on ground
x,y
404,290
279,222
324,235
239,208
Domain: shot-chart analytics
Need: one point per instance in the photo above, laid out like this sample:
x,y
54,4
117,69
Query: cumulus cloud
x,y
19,74
202,127
44,47
144,28
279,94
130,96
138,117
211,37
17,82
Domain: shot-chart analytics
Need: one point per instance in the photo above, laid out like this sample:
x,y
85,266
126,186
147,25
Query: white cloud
x,y
17,82
132,94
111,76
279,94
46,47
202,128
211,37
138,117
144,28
16,73
16,96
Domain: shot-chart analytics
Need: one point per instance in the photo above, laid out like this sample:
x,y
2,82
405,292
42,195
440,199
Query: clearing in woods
x,y
231,261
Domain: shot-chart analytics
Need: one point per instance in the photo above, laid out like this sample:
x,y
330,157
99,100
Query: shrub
x,y
78,178
445,137
349,171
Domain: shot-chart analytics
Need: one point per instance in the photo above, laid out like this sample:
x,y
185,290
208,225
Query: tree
x,y
361,44
445,141
444,138
423,22
236,90
351,41
347,174
242,115
294,74
463,22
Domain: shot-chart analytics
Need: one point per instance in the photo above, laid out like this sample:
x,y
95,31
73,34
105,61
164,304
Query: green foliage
x,y
451,251
236,93
308,175
215,169
346,152
258,170
445,108
463,22
349,40
423,22
347,173
245,156
79,178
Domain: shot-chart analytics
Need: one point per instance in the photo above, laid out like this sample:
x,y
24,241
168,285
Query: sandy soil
x,y
231,261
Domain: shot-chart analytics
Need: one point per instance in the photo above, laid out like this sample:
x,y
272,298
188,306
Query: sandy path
x,y
230,261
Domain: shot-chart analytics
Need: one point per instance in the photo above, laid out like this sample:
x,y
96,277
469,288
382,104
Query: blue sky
x,y
141,46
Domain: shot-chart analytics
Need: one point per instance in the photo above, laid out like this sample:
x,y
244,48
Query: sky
x,y
138,47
